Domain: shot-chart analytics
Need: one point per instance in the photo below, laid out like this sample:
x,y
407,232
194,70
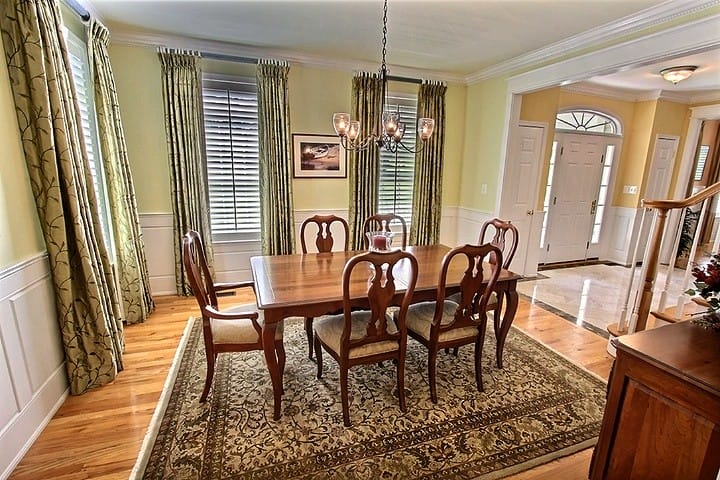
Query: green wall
x,y
315,93
20,233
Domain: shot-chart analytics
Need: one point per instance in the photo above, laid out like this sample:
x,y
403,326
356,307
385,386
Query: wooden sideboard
x,y
662,418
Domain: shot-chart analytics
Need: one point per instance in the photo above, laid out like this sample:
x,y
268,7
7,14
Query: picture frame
x,y
318,156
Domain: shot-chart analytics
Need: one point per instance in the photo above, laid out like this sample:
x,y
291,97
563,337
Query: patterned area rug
x,y
538,408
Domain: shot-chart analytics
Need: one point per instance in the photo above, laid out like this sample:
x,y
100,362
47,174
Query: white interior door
x,y
575,184
520,195
658,186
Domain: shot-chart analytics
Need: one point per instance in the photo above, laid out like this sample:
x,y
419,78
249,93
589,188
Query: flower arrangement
x,y
707,287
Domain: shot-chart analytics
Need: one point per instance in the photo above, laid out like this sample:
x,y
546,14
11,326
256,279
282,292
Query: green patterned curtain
x,y
88,307
364,165
131,266
275,157
427,186
185,133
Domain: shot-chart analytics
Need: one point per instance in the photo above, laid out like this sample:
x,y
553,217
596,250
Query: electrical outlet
x,y
483,189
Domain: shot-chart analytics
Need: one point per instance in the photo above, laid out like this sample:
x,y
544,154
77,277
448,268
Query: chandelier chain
x,y
383,67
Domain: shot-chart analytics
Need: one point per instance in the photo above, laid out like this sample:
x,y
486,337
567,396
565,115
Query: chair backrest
x,y
324,240
502,230
378,267
474,294
382,222
198,272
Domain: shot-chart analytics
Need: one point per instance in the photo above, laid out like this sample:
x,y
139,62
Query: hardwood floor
x,y
98,435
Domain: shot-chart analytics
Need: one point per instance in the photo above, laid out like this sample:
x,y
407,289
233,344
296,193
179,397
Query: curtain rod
x,y
231,58
81,12
404,79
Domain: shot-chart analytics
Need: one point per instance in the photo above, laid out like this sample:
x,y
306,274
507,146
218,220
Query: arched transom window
x,y
587,121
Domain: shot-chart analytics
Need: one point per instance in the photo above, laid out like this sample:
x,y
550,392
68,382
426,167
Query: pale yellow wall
x,y
635,153
20,233
137,76
485,118
455,99
314,94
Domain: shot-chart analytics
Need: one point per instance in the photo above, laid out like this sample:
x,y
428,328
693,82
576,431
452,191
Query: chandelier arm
x,y
356,145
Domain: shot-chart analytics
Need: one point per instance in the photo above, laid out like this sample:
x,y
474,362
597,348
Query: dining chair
x,y
324,243
382,222
357,337
504,235
446,324
238,329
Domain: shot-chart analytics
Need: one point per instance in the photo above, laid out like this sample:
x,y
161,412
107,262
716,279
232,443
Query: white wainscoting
x,y
469,222
32,363
157,230
620,242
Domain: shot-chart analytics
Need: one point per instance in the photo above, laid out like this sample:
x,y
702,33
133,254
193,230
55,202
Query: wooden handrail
x,y
653,250
686,202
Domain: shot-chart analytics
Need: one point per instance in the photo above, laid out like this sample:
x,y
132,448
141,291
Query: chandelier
x,y
389,130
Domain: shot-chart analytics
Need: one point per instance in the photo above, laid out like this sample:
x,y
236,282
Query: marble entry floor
x,y
593,296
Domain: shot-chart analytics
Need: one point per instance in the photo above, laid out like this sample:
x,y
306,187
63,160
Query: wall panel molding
x,y
32,362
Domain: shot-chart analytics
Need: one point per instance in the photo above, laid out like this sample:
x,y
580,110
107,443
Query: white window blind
x,y
397,171
231,143
82,79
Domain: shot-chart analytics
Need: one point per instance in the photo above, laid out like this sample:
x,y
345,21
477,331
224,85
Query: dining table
x,y
310,285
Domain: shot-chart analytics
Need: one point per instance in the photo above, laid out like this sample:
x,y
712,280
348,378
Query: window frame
x,y
406,160
242,85
77,49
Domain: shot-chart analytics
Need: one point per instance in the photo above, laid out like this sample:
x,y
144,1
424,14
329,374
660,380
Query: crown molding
x,y
665,12
696,36
155,40
711,96
626,95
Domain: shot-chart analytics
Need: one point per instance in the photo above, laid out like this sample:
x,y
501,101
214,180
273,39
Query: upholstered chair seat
x,y
420,316
240,331
330,328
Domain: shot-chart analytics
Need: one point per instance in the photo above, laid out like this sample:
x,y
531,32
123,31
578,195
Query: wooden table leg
x,y
511,306
268,342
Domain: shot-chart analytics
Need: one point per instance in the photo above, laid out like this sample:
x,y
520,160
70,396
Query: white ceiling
x,y
445,37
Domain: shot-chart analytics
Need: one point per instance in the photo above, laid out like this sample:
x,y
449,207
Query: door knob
x,y
530,212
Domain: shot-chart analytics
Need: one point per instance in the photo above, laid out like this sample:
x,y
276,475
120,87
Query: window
x,y
587,121
602,193
397,170
548,189
231,144
82,79
701,159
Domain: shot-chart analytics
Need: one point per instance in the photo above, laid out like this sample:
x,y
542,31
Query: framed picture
x,y
318,156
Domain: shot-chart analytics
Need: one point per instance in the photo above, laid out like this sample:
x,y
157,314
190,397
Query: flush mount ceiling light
x,y
677,74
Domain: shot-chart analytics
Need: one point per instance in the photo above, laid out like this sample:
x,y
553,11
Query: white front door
x,y
574,194
520,195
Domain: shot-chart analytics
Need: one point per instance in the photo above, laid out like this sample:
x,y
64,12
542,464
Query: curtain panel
x,y
275,159
427,185
131,265
182,97
364,165
87,303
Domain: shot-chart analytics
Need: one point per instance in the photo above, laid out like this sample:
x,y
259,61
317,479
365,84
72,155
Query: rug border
x,y
156,420
562,355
